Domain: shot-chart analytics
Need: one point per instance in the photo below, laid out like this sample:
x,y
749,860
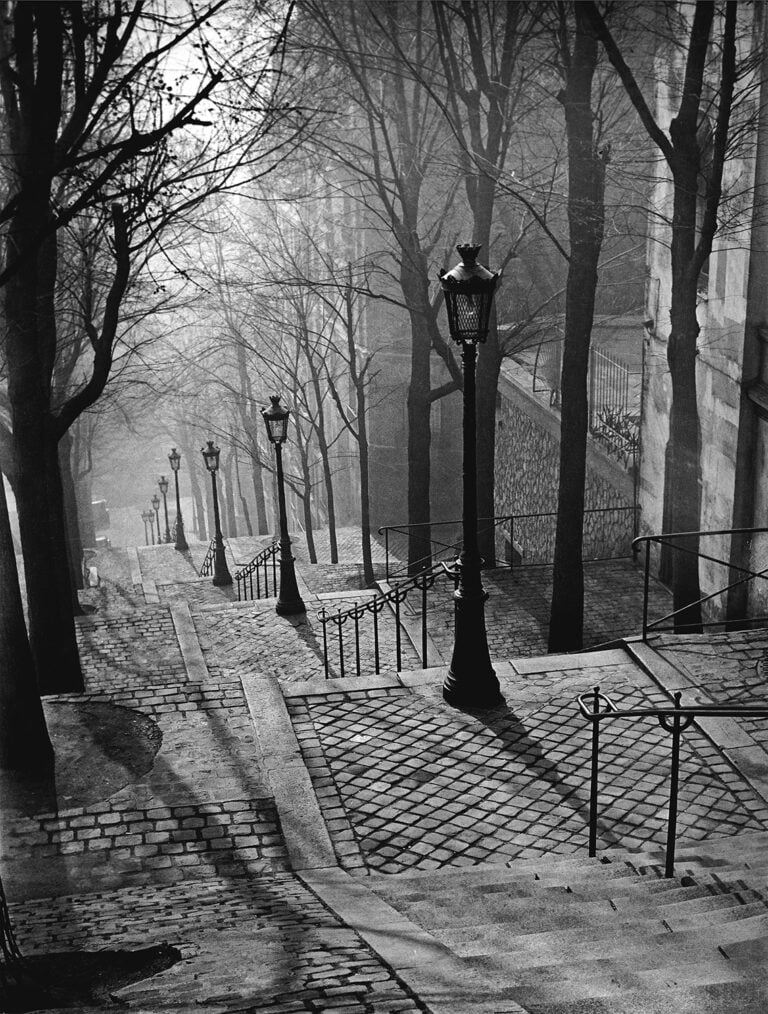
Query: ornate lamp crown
x,y
175,459
468,289
210,455
276,420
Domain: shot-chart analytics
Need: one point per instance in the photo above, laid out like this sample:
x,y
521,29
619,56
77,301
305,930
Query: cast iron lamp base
x,y
471,683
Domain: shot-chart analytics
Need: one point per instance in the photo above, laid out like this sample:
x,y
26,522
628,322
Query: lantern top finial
x,y
469,276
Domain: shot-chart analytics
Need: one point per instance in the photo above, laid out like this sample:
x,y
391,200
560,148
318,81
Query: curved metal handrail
x,y
394,597
597,707
244,576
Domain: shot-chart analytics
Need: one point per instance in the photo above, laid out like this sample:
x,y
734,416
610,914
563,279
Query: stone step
x,y
702,988
612,936
743,997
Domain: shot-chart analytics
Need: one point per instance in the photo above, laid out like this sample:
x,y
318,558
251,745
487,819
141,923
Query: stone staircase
x,y
604,936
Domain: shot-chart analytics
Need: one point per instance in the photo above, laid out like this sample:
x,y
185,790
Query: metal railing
x,y
394,599
260,567
597,707
675,541
530,541
206,568
614,418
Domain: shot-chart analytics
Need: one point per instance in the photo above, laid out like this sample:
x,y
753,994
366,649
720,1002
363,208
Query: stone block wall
x,y
527,467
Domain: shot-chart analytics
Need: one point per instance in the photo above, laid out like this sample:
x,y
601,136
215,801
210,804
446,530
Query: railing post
x,y
357,639
341,645
397,629
646,587
375,638
324,621
423,623
669,867
593,781
386,553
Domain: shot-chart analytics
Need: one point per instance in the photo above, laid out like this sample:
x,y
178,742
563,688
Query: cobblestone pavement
x,y
725,665
405,782
517,610
258,944
252,638
172,830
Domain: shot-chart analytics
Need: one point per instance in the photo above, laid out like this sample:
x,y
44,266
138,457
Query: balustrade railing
x,y
350,647
689,543
597,707
206,568
255,576
529,539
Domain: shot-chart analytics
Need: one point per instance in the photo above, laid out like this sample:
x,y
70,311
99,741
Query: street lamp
x,y
162,482
289,600
150,517
145,517
181,543
156,507
221,575
471,681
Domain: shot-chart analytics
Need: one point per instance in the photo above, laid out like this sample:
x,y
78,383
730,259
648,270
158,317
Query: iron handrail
x,y
497,519
206,568
260,562
663,539
674,720
394,597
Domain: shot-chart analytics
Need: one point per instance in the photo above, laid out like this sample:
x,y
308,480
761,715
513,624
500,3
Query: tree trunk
x,y
71,518
37,482
243,501
488,369
365,493
229,498
419,442
306,503
24,742
586,183
683,475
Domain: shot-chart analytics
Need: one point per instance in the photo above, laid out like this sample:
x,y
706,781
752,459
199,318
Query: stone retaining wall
x,y
527,467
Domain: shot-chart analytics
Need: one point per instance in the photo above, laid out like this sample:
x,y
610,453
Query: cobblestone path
x,y
517,610
256,944
725,666
405,782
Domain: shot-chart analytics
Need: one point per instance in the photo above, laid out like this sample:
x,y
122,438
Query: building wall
x,y
527,468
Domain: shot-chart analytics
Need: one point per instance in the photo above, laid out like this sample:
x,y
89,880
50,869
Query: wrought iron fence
x,y
597,708
258,570
689,543
350,647
206,568
614,420
529,539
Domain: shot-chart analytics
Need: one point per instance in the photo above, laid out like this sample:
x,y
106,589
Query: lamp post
x,y
181,543
162,483
156,508
145,517
150,516
221,575
289,601
471,681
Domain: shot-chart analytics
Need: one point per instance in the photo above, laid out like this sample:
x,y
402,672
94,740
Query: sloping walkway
x,y
214,791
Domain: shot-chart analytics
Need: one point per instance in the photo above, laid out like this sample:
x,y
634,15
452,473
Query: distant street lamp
x,y
150,517
221,575
471,681
156,508
145,517
162,482
289,601
181,543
